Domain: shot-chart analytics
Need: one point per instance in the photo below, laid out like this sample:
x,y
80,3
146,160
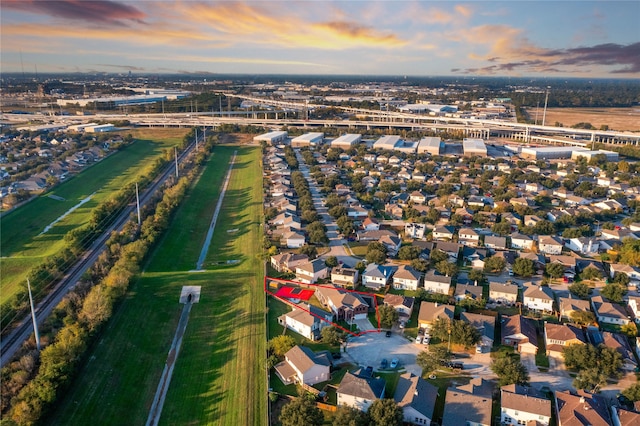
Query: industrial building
x,y
430,145
308,139
100,128
272,138
123,100
429,108
474,147
80,127
611,155
550,152
394,143
346,141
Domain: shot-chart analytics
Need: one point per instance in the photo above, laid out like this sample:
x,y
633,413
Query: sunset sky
x,y
504,38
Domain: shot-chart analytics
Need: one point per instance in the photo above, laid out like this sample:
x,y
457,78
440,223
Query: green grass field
x,y
219,377
21,245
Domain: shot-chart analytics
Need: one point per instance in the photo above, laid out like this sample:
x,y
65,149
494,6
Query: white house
x,y
376,276
417,399
311,272
503,293
302,365
292,239
520,405
402,304
406,278
437,283
307,321
521,241
415,230
468,237
548,244
609,313
443,233
584,245
632,272
347,277
359,390
538,298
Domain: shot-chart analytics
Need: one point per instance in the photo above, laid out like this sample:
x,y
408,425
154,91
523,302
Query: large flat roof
x,y
309,136
348,138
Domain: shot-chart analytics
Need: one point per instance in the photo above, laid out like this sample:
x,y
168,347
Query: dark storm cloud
x,y
98,11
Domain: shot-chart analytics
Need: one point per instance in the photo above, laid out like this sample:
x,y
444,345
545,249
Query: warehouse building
x,y
550,152
394,143
611,155
308,139
272,138
80,127
346,141
474,147
430,145
100,128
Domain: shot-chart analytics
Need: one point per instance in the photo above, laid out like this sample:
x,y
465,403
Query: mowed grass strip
x,y
219,375
21,245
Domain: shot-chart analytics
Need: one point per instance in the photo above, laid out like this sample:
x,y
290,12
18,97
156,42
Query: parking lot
x,y
371,348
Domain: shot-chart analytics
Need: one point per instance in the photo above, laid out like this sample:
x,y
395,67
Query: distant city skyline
x,y
593,39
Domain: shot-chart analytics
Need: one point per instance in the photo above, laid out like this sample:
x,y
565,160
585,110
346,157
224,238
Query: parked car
x,y
426,340
384,364
394,363
419,339
388,333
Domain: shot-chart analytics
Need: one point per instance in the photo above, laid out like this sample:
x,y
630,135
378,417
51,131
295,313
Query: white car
x,y
419,339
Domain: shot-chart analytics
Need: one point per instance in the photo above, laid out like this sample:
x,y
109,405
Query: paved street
x,y
371,348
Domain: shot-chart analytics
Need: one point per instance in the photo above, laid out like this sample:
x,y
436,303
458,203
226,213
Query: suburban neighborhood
x,y
427,272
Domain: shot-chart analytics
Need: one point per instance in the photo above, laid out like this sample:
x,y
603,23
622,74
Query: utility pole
x,y
196,138
546,99
33,317
138,204
175,150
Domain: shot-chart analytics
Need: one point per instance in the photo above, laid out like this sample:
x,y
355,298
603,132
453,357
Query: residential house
x,y
346,277
370,224
287,262
548,244
622,417
521,241
292,239
609,313
302,365
521,405
392,243
468,237
633,302
466,291
512,218
559,336
618,234
394,210
451,249
376,276
620,343
569,305
503,293
415,230
357,212
375,235
307,320
417,399
469,404
345,305
474,257
538,298
569,263
287,220
359,390
443,233
311,272
519,332
402,304
437,283
632,272
495,242
485,324
417,197
584,245
538,260
581,408
406,278
430,312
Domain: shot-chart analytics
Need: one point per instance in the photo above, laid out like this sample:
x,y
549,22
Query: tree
x,y
331,261
614,292
438,255
408,253
434,358
621,278
494,264
629,329
510,370
331,335
388,316
280,345
309,250
476,275
420,265
301,411
447,268
580,289
360,266
376,245
349,416
501,228
376,256
603,361
385,412
337,211
632,393
554,270
591,274
590,379
524,267
583,317
461,332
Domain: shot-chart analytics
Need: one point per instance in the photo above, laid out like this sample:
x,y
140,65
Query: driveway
x,y
372,348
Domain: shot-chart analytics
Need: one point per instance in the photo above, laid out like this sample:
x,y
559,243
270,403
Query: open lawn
x,y
219,377
20,243
620,119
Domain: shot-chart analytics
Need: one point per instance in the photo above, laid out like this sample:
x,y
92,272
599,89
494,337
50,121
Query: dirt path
x,y
214,219
163,386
